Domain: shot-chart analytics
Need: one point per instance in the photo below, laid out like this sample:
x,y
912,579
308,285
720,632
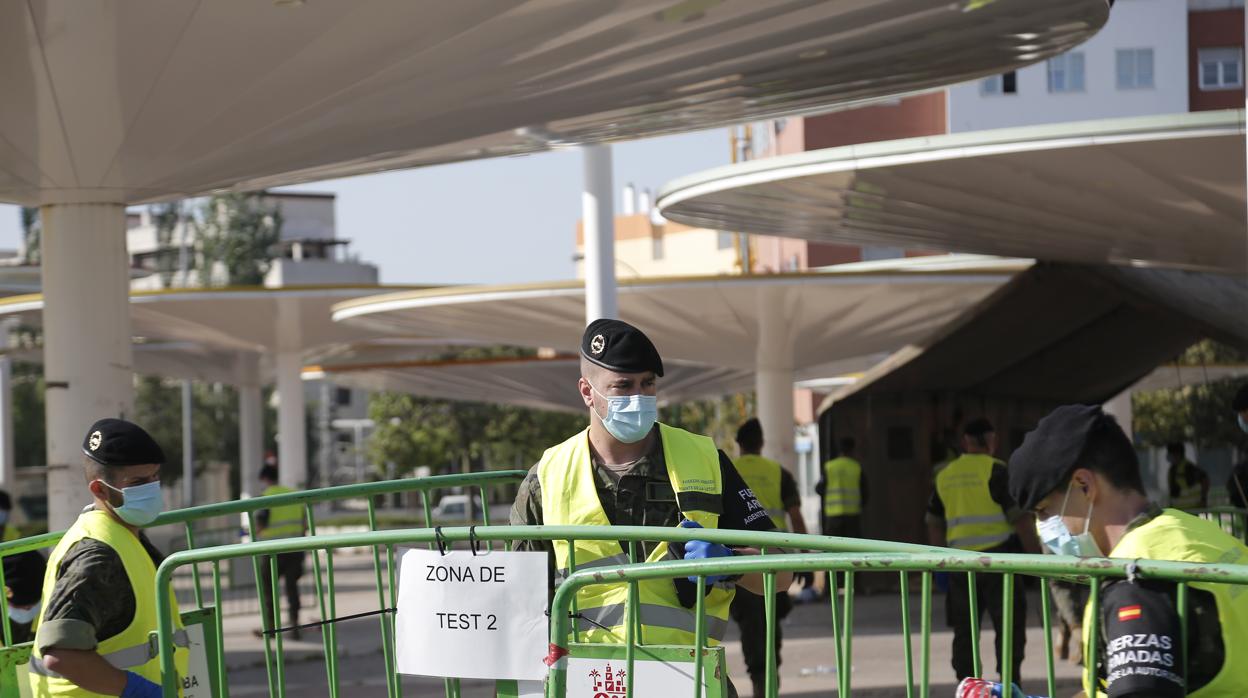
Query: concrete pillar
x,y
598,212
292,445
250,425
86,331
8,464
774,377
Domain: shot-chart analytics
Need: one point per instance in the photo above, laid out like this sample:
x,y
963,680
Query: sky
x,y
506,220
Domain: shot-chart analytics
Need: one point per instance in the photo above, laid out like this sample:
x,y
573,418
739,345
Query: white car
x,y
454,507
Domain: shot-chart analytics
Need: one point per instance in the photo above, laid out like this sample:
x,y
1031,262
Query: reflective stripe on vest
x,y
763,476
285,521
1181,537
842,495
133,643
570,498
974,521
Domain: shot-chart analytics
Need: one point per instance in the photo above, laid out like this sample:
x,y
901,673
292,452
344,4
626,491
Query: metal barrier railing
x,y
1233,520
853,557
476,482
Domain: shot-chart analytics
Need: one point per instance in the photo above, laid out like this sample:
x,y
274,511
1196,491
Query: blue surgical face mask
x,y
1243,423
1058,538
24,616
142,505
629,417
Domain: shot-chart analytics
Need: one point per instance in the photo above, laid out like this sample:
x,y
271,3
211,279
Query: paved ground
x,y
807,670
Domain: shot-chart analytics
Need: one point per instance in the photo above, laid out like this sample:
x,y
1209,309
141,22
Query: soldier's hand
x,y
139,687
703,550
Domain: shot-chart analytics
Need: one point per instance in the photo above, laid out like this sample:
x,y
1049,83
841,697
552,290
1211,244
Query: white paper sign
x,y
607,678
197,683
473,617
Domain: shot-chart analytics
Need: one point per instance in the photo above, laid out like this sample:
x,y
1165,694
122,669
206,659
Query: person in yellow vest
x,y
776,490
1189,485
271,524
1079,473
626,469
971,509
98,604
23,587
844,492
8,532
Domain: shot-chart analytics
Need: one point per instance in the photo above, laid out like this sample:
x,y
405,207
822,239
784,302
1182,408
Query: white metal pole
x,y
598,211
292,449
250,424
188,446
773,379
8,464
86,329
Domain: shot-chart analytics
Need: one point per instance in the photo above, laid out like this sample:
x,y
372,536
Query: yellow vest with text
x,y
842,495
973,520
570,498
763,477
1189,487
129,650
285,521
10,533
1179,536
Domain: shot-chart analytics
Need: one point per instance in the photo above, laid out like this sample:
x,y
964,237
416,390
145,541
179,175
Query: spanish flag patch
x,y
1129,612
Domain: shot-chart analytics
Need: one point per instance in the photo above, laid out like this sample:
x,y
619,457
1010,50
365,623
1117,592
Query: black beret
x,y
1050,452
750,431
118,442
1240,402
978,428
618,346
23,577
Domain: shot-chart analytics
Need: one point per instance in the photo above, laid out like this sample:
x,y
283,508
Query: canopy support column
x,y
598,212
250,425
292,443
774,377
86,331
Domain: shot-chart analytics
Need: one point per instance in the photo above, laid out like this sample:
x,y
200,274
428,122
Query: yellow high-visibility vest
x,y
570,498
842,478
130,649
763,476
285,521
10,533
1179,536
974,520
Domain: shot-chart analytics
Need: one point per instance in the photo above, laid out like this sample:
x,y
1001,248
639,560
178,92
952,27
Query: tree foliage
x,y
238,231
1199,413
717,419
32,232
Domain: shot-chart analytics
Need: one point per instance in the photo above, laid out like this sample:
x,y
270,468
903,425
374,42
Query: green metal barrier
x,y
1233,520
846,558
323,578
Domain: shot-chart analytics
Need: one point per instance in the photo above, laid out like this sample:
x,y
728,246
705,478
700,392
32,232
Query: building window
x,y
342,397
1221,68
1066,72
1003,84
656,249
1135,68
723,241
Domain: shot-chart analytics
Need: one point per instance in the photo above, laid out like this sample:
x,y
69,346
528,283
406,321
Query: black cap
x,y
618,346
750,431
1240,402
978,428
1050,452
23,578
117,442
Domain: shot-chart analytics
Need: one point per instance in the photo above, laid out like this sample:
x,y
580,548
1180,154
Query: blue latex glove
x,y
139,687
702,550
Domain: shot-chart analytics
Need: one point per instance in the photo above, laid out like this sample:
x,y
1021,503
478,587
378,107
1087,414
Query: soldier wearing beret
x,y
1079,473
97,605
627,469
23,584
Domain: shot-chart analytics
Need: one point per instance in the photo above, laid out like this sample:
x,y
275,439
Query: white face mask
x,y
24,616
1058,538
629,417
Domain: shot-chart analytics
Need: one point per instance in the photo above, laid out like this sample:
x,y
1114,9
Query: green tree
x,y
238,231
717,418
1198,413
32,232
29,432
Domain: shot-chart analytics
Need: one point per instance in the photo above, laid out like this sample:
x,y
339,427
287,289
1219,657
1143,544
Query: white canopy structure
x,y
115,102
239,335
1167,190
780,328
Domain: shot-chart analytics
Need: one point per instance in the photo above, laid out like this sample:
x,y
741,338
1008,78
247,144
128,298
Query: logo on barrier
x,y
608,685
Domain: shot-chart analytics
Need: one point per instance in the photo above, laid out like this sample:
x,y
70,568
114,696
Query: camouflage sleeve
x,y
527,510
91,600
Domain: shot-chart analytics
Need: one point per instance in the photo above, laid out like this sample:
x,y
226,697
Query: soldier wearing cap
x,y
627,469
23,582
98,593
1079,473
